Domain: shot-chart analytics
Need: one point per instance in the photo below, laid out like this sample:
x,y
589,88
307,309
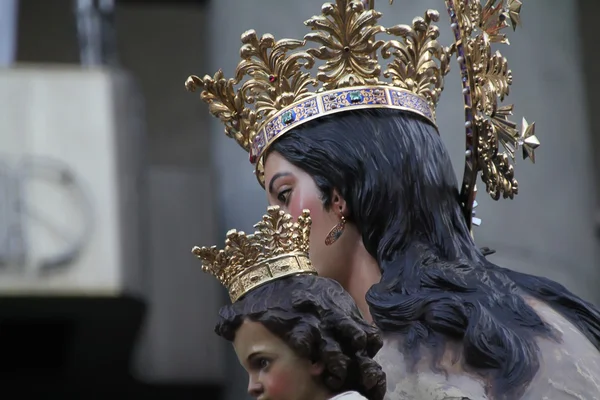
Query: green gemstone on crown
x,y
288,117
355,97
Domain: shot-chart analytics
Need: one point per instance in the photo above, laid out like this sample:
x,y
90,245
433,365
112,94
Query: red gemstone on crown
x,y
272,78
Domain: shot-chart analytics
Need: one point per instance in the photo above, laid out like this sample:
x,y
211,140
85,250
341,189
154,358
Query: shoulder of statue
x,y
424,383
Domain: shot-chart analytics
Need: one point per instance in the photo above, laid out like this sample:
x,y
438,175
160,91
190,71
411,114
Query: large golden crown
x,y
271,91
277,249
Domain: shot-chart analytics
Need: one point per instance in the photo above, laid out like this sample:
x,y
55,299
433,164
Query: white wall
x,y
69,183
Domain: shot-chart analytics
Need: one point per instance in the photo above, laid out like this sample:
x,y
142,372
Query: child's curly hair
x,y
319,320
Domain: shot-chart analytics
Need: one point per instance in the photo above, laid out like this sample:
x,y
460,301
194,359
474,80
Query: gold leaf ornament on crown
x,y
278,248
273,91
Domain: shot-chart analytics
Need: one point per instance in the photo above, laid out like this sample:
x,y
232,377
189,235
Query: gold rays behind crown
x,y
486,79
273,90
277,249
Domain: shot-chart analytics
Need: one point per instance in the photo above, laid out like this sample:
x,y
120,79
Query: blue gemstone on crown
x,y
288,117
355,97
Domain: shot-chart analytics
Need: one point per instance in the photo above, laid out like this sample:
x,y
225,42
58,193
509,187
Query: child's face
x,y
275,372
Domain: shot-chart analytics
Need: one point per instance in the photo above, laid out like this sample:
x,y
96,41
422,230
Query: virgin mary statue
x,y
357,143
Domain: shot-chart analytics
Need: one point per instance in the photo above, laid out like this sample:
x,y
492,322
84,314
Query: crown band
x,y
331,102
269,270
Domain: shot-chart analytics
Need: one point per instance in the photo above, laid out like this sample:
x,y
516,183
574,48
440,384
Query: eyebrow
x,y
252,355
275,177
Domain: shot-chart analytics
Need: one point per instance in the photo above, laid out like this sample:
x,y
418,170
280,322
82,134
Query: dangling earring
x,y
335,233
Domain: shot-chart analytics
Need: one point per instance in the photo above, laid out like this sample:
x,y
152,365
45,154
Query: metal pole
x,y
96,32
8,32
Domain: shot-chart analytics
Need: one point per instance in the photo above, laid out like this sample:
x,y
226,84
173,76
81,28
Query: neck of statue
x,y
363,272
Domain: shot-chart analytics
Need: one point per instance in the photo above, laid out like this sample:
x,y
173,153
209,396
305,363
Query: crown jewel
x,y
273,91
278,248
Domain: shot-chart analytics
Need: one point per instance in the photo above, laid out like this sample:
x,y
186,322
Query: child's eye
x,y
261,363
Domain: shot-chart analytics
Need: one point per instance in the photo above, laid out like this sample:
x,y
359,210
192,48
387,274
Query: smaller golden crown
x,y
277,249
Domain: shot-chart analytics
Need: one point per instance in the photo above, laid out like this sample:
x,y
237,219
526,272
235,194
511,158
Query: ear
x,y
338,204
316,368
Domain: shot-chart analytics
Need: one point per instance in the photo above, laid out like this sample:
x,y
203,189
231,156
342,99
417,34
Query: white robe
x,y
349,396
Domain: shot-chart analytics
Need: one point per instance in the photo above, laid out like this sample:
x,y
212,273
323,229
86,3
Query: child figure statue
x,y
298,335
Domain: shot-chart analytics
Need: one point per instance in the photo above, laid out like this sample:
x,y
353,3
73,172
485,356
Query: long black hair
x,y
394,173
319,320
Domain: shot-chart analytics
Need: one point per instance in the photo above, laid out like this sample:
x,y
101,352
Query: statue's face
x,y
294,190
275,372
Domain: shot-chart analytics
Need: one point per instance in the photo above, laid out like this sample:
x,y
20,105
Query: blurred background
x,y
110,172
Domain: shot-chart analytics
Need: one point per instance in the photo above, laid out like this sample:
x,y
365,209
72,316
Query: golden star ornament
x,y
528,141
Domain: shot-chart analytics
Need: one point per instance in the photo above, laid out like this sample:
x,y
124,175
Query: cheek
x,y
281,384
303,201
322,222
318,217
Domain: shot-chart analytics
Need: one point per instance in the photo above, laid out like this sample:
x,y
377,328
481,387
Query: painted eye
x,y
262,363
284,196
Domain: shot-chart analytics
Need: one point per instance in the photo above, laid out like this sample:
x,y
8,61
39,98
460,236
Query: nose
x,y
255,388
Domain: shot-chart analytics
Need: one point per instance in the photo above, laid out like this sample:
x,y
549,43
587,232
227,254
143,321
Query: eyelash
x,y
262,363
282,198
